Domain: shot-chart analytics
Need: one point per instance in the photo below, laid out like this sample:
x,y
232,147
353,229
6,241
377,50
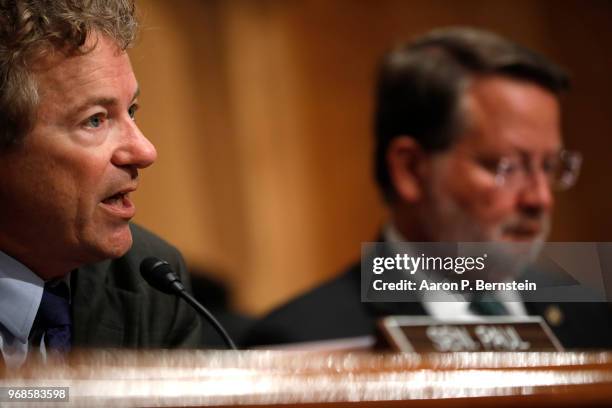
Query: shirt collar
x,y
20,294
392,235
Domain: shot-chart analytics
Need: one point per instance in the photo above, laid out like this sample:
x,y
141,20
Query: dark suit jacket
x,y
334,310
113,306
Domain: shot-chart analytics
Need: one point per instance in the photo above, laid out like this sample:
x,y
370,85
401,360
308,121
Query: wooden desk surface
x,y
282,378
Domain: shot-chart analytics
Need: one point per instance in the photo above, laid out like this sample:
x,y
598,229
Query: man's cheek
x,y
488,212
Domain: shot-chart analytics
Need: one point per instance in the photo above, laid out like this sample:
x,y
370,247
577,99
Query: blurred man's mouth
x,y
523,234
525,231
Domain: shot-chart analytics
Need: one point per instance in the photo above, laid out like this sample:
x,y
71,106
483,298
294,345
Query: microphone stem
x,y
211,319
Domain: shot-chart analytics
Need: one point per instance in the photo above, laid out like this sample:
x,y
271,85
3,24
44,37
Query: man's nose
x,y
135,149
536,195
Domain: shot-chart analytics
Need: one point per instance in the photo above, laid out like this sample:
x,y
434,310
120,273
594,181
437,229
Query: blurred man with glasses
x,y
468,148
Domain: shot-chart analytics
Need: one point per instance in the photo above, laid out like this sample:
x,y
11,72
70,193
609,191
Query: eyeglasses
x,y
561,170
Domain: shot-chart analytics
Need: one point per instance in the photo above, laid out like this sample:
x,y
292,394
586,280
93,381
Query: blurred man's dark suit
x,y
334,310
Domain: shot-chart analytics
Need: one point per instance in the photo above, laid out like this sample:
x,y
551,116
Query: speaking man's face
x,y
65,195
512,126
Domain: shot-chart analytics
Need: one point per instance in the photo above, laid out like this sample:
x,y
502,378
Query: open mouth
x,y
120,205
116,199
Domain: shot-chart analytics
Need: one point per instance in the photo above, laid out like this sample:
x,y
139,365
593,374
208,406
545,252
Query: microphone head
x,y
159,274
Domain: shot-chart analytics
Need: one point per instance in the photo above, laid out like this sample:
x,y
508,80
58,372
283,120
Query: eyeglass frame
x,y
570,163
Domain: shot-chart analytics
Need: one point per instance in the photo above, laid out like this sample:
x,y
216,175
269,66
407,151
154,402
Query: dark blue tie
x,y
487,305
53,317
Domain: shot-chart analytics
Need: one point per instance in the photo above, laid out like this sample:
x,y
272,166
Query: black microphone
x,y
159,274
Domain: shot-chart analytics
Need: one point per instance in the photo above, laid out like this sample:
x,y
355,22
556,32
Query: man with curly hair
x,y
70,155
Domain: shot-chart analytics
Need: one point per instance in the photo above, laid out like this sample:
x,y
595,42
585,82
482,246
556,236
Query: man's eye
x,y
493,165
550,166
132,111
95,121
508,166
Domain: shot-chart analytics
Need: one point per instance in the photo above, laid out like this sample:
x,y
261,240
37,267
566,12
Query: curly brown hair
x,y
29,29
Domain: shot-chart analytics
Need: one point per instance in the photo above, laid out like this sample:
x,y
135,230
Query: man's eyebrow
x,y
102,101
95,101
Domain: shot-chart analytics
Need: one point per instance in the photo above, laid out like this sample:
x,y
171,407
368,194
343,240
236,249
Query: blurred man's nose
x,y
536,195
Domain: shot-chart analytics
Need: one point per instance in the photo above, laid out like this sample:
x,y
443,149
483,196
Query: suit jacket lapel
x,y
381,309
104,315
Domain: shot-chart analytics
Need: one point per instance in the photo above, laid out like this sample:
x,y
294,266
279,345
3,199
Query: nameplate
x,y
500,333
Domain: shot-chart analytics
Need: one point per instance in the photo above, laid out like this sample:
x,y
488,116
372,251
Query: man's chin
x,y
111,245
525,248
118,250
522,238
120,244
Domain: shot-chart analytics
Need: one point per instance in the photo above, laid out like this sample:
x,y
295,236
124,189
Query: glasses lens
x,y
567,170
561,171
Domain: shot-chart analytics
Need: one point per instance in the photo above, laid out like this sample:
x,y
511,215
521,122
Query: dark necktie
x,y
487,305
53,317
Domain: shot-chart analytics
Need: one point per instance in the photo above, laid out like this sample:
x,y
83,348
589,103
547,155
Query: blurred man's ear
x,y
404,161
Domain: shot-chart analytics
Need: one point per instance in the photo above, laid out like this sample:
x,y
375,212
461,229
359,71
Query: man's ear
x,y
404,159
